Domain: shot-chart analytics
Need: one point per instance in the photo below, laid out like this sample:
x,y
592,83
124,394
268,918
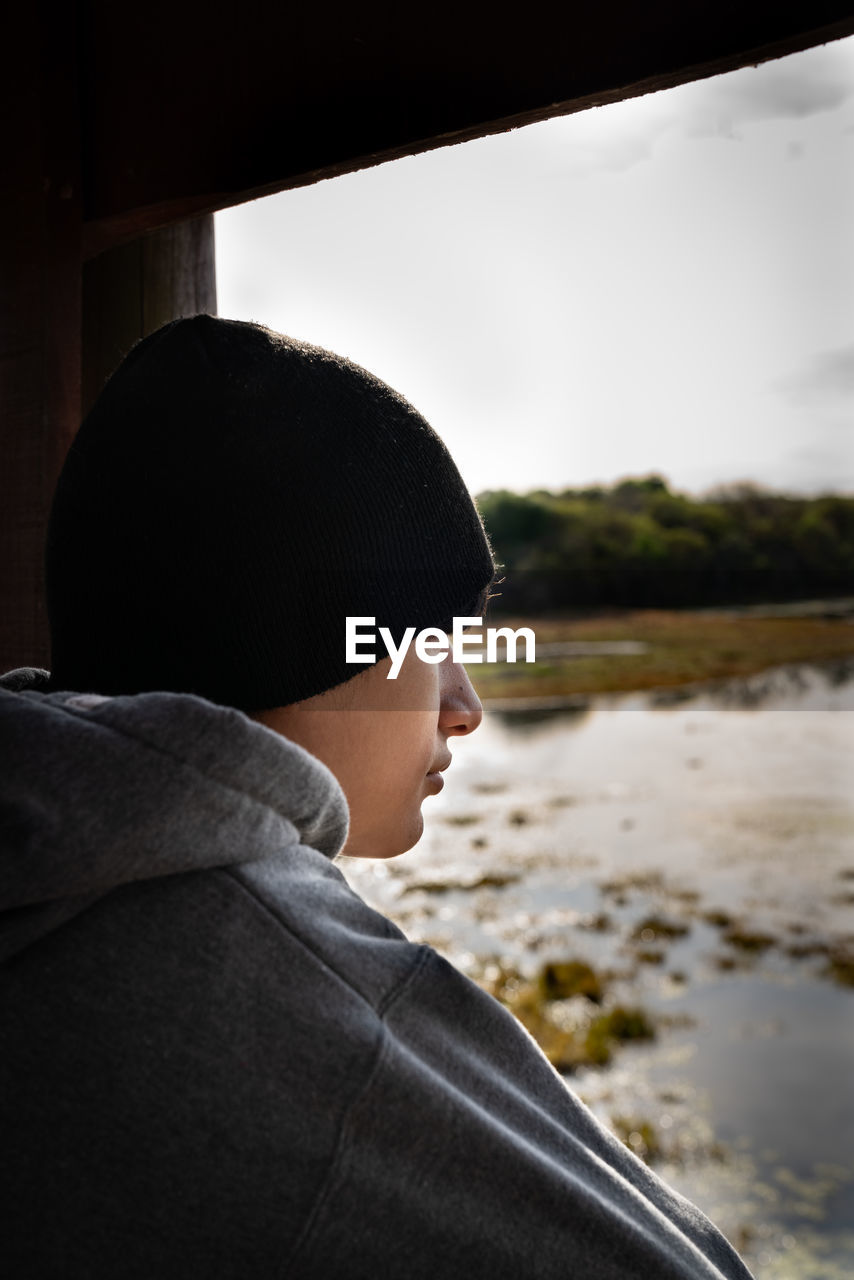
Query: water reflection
x,y
780,688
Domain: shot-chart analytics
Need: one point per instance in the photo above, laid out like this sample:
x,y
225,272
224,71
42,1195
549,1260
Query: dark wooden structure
x,y
127,125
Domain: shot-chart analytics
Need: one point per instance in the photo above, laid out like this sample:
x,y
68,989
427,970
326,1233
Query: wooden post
x,y
40,274
132,290
126,293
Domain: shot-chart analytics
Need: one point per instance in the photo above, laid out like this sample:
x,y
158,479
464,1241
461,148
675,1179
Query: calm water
x,y
735,802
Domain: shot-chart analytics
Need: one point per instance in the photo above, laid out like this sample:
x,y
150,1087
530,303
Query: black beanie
x,y
230,499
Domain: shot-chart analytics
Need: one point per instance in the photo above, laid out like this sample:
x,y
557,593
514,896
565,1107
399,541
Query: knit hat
x,y
232,497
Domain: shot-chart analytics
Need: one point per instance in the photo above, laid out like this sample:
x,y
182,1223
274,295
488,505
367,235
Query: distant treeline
x,y
640,544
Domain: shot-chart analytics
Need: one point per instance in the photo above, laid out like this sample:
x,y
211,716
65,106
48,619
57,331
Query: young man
x,y
217,1060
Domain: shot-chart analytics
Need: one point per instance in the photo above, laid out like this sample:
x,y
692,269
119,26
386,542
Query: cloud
x,y
804,84
618,137
608,139
617,152
827,381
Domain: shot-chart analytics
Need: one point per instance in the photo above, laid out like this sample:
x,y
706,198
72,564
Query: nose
x,y
460,709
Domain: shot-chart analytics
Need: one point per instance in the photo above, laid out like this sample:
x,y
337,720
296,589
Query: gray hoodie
x,y
217,1061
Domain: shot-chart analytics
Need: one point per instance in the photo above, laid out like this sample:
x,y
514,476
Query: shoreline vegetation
x,y
635,586
629,650
640,545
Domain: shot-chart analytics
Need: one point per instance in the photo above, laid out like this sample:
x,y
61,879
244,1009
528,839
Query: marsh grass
x,y
657,929
639,1136
578,1039
840,966
746,939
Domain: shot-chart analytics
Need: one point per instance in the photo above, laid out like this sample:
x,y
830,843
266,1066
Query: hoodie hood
x,y
98,792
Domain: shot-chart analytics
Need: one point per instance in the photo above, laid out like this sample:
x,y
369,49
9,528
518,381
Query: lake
x,y
696,847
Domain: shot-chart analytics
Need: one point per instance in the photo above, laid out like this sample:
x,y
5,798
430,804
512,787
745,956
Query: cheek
x,y
405,754
388,786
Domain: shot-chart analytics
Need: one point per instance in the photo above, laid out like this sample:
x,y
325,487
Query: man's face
x,y
386,741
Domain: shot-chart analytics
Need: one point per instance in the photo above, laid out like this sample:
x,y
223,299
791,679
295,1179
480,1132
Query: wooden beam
x,y
285,95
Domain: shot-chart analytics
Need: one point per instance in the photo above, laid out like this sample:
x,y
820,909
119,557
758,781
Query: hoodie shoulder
x,y
100,792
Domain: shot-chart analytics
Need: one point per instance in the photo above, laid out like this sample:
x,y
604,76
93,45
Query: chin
x,y
387,842
413,837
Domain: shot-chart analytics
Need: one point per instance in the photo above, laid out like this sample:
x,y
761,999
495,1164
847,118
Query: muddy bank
x,y
630,650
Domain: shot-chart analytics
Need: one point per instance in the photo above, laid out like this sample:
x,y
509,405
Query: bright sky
x,y
665,284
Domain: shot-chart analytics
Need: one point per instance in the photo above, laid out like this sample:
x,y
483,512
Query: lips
x,y
434,777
